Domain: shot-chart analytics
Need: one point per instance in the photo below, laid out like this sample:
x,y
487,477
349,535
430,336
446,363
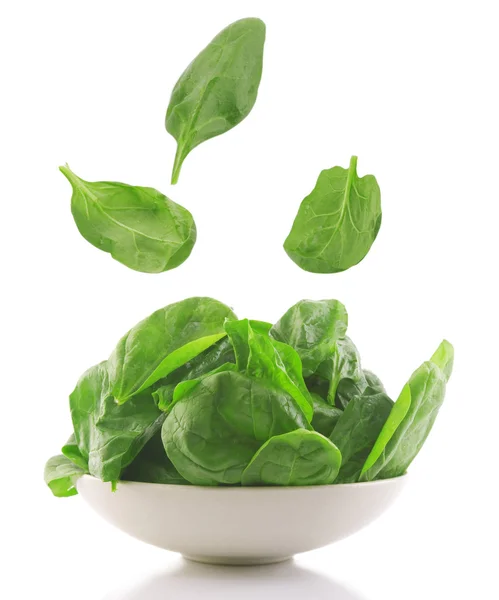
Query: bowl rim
x,y
249,488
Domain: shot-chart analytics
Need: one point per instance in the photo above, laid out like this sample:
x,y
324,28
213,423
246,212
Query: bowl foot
x,y
242,561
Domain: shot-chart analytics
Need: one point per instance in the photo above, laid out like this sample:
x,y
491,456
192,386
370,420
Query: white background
x,y
411,88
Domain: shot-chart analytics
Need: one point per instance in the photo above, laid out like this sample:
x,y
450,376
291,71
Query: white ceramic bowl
x,y
239,525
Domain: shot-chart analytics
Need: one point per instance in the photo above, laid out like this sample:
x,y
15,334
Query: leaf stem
x,y
177,164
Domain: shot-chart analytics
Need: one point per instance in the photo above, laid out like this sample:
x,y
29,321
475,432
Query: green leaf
x,y
344,372
152,465
297,458
337,222
140,227
262,357
61,476
110,435
357,430
70,450
214,429
312,328
325,415
410,420
218,89
444,358
163,342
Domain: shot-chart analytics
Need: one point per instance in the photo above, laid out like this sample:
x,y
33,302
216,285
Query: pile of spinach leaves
x,y
193,396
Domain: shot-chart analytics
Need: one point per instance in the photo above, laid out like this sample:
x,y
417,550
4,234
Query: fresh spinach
x,y
218,89
70,450
357,430
411,418
61,476
297,458
337,222
163,342
110,435
216,425
325,416
260,356
152,465
312,328
140,227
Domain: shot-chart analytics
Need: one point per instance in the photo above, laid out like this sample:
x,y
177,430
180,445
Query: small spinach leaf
x,y
216,425
337,222
163,342
110,435
325,416
61,476
260,356
411,418
152,465
297,458
357,430
312,328
140,227
218,89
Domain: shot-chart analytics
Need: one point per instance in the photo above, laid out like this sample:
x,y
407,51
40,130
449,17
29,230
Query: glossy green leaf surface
x,y
262,357
297,458
357,430
140,227
163,342
214,429
325,416
337,222
312,328
218,89
61,476
410,420
110,435
70,450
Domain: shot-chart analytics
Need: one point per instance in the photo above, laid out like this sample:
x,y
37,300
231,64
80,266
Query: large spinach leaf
x,y
337,222
312,328
140,227
152,465
216,425
262,357
110,435
411,418
163,342
297,458
61,476
357,430
218,89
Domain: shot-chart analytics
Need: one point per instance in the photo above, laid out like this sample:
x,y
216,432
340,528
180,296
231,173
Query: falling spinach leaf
x,y
337,222
357,430
218,89
411,418
140,227
216,425
61,476
297,458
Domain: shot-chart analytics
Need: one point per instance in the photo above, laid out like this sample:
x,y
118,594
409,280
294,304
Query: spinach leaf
x,y
297,458
260,356
411,418
61,476
164,341
325,416
312,328
152,465
70,450
218,89
357,430
337,222
216,425
140,227
110,435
